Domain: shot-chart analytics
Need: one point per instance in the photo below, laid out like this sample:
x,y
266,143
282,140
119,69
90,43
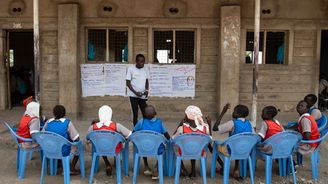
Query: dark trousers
x,y
135,102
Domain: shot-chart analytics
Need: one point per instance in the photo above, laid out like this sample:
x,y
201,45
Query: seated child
x,y
64,127
29,124
269,126
151,122
307,127
105,123
238,124
311,99
43,119
192,122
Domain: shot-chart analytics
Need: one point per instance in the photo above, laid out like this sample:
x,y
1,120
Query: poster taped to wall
x,y
164,81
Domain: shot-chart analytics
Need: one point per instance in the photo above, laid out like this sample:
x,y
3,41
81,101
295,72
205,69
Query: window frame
x,y
107,44
286,48
196,32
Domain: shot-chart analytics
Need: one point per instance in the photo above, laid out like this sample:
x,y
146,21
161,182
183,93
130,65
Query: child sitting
x,y
192,122
238,124
105,123
29,124
311,99
150,122
269,127
307,127
64,127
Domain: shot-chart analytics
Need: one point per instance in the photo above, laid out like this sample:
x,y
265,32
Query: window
x,y
272,49
174,46
107,45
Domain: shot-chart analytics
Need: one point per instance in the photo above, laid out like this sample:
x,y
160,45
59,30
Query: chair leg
x,y
93,165
299,159
126,159
66,169
251,172
160,169
22,162
31,155
118,168
226,170
203,164
213,164
81,160
268,169
43,169
17,159
293,169
314,163
177,170
135,168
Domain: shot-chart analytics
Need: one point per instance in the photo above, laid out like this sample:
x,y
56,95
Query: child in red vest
x,y
29,124
307,126
105,123
269,127
192,122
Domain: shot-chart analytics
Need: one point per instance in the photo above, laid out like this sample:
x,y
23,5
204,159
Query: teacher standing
x,y
137,82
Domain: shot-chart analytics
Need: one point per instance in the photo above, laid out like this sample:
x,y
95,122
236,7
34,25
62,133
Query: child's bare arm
x,y
218,121
209,122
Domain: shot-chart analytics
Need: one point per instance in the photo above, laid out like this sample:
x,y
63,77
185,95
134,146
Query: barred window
x,y
107,45
272,49
174,46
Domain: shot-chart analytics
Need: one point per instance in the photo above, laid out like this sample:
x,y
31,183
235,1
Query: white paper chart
x,y
164,81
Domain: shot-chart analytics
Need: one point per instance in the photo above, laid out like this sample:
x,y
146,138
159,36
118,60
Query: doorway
x,y
323,86
20,66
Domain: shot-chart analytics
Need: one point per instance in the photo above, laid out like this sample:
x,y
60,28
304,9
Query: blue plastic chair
x,y
147,144
323,123
282,145
315,156
51,145
21,152
191,146
104,143
240,147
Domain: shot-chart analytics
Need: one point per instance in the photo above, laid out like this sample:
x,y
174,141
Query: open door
x,y
20,66
323,86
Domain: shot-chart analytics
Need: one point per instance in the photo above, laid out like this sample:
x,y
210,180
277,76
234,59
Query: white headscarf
x,y
33,109
105,114
194,113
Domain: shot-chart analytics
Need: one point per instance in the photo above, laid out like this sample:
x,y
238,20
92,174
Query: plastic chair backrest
x,y
283,143
241,145
147,142
15,136
324,122
192,144
105,141
323,134
51,144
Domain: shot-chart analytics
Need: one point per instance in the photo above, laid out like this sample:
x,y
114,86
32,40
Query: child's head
x,y
59,111
150,112
33,109
311,99
302,107
240,111
269,112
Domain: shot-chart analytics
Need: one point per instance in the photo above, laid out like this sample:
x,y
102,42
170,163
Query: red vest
x,y
187,129
23,129
111,127
273,128
314,130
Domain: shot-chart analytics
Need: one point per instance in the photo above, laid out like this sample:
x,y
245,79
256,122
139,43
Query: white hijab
x,y
105,114
33,109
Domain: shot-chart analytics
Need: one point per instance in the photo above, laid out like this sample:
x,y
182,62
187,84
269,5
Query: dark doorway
x,y
21,65
323,86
